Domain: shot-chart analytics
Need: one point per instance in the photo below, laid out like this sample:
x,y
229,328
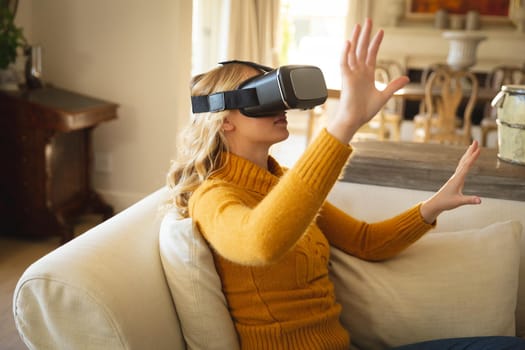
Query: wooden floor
x,y
15,256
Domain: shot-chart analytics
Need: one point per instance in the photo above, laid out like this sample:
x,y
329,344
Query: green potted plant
x,y
11,40
11,36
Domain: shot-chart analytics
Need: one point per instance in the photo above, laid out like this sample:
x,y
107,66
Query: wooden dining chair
x,y
429,69
439,122
394,109
386,124
425,75
498,76
316,114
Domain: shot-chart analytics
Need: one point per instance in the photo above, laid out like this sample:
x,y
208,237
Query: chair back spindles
x,y
445,89
386,125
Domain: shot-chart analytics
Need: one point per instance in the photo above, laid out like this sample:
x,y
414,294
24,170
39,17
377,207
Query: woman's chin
x,y
284,136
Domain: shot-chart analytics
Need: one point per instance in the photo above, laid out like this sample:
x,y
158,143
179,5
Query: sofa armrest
x,y
105,289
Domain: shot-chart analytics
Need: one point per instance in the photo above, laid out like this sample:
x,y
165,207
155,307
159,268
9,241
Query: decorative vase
x,y
9,78
517,15
463,48
441,19
395,10
33,69
472,20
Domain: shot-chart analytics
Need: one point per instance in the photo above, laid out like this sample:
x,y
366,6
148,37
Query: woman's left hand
x,y
450,195
360,99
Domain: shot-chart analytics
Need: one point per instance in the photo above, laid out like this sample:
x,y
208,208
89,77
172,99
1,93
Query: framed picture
x,y
492,10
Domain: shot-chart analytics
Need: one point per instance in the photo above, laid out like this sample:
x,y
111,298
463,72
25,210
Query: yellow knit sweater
x,y
270,233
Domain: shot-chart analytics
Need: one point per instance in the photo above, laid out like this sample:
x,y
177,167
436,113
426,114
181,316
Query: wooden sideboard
x,y
46,157
424,166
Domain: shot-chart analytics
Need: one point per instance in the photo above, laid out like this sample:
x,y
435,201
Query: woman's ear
x,y
227,125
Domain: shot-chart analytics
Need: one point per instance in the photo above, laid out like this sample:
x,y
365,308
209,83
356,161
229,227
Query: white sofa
x,y
106,289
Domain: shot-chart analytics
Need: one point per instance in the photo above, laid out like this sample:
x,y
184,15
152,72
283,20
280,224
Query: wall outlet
x,y
103,162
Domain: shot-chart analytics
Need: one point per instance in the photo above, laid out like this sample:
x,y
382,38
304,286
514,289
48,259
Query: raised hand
x,y
450,195
360,100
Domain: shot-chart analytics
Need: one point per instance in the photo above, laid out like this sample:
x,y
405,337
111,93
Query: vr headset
x,y
275,90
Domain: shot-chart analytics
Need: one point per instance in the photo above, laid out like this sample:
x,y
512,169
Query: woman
x,y
270,229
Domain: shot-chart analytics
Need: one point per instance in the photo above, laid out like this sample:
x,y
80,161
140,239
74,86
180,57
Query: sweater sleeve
x,y
262,233
372,241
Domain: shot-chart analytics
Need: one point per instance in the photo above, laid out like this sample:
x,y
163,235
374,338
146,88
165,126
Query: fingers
x,y
395,85
474,148
471,200
374,48
465,164
364,41
345,57
350,58
362,51
469,157
463,200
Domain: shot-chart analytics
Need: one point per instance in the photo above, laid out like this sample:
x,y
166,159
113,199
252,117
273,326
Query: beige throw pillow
x,y
450,284
195,286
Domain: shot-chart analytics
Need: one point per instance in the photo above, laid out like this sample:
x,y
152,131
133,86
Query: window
x,y
209,24
313,32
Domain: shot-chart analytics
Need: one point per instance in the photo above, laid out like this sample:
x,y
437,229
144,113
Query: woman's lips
x,y
281,120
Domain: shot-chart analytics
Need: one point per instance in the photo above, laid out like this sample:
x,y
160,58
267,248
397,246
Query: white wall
x,y
136,53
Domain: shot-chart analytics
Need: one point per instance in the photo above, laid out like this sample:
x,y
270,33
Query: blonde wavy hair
x,y
202,143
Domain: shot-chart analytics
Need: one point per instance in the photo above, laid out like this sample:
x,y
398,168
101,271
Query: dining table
x,y
416,92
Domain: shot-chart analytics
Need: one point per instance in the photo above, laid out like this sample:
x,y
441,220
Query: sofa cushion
x,y
195,286
446,285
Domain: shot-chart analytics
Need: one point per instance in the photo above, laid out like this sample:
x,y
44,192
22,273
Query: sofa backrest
x,y
373,203
107,288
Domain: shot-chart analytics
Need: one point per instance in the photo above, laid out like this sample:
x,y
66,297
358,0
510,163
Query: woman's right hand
x,y
360,99
450,195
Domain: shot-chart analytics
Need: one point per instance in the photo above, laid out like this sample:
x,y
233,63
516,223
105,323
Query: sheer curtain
x,y
253,31
235,29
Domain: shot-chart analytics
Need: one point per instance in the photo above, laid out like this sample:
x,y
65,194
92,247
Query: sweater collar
x,y
246,174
